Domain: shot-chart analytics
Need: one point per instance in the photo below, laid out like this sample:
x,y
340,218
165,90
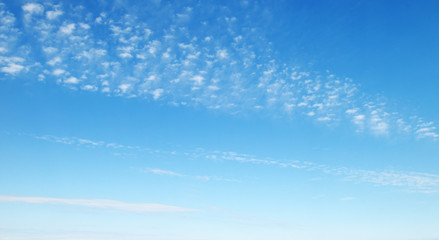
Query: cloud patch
x,y
12,68
228,65
163,172
33,8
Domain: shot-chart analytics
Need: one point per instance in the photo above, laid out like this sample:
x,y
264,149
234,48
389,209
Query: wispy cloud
x,y
204,178
116,146
87,142
213,178
97,203
413,181
163,172
426,129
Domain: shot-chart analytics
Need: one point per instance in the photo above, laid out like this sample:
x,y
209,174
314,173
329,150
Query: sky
x,y
210,120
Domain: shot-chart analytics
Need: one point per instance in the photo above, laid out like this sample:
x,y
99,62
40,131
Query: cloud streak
x,y
413,181
163,172
201,178
98,203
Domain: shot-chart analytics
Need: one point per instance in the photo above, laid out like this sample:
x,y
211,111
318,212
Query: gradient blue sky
x,y
207,120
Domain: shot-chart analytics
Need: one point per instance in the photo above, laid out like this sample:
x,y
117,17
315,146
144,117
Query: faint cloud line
x,y
163,172
97,203
201,178
414,181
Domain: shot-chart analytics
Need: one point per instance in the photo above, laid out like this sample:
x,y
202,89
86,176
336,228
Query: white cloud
x,y
359,120
41,77
157,93
163,172
89,87
97,203
71,80
153,47
124,87
222,54
55,139
414,181
98,20
58,72
50,50
7,19
125,55
213,88
11,59
352,111
84,25
85,142
125,49
54,61
148,33
67,29
51,15
203,178
166,55
12,68
378,126
426,130
402,125
33,8
251,79
210,178
324,119
198,79
420,182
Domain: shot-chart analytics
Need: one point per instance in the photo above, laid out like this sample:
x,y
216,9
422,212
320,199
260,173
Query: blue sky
x,y
207,120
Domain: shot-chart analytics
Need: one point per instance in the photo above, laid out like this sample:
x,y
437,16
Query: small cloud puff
x,y
222,54
33,8
71,80
89,87
12,68
198,79
51,15
54,61
67,29
58,72
157,93
124,87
